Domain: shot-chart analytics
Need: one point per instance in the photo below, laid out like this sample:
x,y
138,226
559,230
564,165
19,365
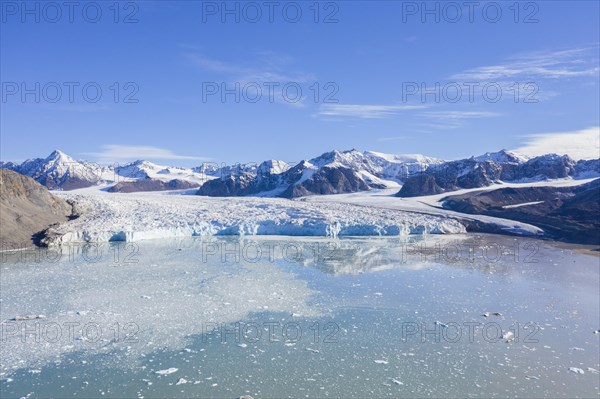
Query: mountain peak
x,y
502,156
58,156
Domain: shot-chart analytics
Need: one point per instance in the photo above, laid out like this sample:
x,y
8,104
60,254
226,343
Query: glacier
x,y
141,216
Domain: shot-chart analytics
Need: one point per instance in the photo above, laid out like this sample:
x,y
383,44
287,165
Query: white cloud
x,y
364,111
115,152
581,144
542,64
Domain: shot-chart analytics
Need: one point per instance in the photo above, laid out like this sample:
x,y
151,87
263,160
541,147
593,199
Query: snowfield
x,y
140,216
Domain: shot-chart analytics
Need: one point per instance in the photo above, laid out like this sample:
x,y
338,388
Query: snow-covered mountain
x,y
493,168
148,170
60,171
330,173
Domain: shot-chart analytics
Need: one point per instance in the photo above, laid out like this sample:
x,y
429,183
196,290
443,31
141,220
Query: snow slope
x,y
432,204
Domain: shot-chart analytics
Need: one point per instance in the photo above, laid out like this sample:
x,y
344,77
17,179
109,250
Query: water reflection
x,y
228,311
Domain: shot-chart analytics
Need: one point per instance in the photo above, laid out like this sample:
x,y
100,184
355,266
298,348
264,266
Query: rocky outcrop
x,y
570,214
328,180
151,185
26,210
232,185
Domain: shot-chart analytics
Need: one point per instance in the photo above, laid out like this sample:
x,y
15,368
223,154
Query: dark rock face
x,y
151,185
226,186
26,208
421,185
548,166
587,168
570,214
328,180
453,175
474,173
333,172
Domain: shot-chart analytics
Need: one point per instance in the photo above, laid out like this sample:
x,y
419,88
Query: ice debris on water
x,y
488,314
381,361
397,382
576,370
182,381
28,317
508,336
168,371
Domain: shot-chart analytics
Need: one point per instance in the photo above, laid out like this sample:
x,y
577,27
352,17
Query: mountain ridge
x,y
332,172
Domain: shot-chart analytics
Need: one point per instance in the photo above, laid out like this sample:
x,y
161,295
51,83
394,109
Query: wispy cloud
x,y
115,153
395,138
265,67
579,62
580,144
364,111
454,119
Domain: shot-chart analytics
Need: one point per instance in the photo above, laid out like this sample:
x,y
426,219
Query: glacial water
x,y
296,317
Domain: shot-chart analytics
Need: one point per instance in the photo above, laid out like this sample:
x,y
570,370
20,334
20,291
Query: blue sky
x,y
360,75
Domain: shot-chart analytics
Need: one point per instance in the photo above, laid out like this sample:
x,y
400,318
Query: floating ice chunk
x,y
397,382
182,381
508,336
312,350
576,370
242,345
488,314
439,323
168,371
576,349
593,371
381,361
28,317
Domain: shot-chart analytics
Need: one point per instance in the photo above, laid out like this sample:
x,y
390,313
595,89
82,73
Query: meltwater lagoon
x,y
442,316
